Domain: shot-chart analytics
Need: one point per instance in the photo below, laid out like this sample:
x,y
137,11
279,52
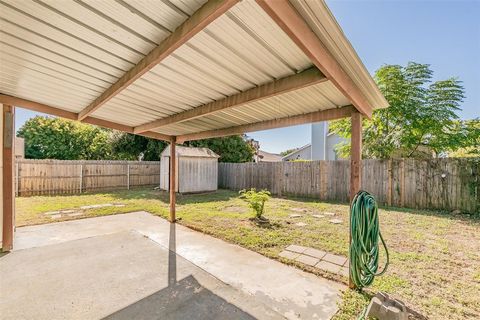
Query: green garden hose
x,y
364,246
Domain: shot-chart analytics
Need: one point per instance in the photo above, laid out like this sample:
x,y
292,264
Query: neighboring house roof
x,y
297,151
190,152
268,157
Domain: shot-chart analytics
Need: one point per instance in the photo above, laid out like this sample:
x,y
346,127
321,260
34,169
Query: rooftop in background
x,y
264,156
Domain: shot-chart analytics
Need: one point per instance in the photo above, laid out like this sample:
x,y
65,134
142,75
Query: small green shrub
x,y
256,200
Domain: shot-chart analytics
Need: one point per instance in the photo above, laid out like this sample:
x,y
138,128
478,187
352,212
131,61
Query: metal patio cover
x,y
183,69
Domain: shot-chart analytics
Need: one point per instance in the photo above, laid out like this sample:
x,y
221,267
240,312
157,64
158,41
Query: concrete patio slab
x,y
116,276
287,291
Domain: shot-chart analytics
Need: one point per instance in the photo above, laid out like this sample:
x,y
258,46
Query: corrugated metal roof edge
x,y
190,152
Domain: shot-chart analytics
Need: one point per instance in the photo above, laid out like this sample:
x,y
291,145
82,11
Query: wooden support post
x,y
172,176
356,155
355,164
8,146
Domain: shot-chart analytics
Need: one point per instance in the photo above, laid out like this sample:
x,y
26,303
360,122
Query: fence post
x,y
81,178
17,182
128,176
389,186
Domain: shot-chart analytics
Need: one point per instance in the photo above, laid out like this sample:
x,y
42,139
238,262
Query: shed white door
x,y
164,173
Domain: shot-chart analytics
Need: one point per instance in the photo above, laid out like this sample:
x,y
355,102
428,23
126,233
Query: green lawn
x,y
435,257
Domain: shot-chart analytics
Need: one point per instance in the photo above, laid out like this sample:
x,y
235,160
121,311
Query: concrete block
x,y
288,255
75,214
383,307
52,212
315,253
333,258
94,206
67,211
295,216
298,209
295,248
311,261
328,266
335,221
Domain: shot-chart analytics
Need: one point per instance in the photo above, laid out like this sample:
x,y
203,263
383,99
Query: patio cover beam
x,y
35,106
297,81
323,115
193,25
290,21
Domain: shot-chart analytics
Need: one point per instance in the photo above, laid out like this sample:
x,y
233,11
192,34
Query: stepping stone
x,y
318,216
328,266
335,221
300,224
52,212
295,216
93,206
311,261
343,272
295,248
119,205
315,253
67,211
56,216
331,214
75,214
333,258
288,255
299,209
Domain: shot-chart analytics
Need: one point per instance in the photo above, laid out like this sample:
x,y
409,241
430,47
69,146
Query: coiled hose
x,y
364,246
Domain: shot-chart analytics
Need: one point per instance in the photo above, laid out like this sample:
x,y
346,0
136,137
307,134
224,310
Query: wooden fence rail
x,y
447,184
50,177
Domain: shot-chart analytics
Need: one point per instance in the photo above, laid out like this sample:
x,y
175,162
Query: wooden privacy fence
x,y
429,184
50,177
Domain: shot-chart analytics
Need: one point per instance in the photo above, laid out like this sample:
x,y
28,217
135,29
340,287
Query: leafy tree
x,y
284,153
467,135
127,146
55,138
421,119
230,149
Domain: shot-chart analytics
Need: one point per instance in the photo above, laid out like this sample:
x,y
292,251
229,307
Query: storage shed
x,y
196,169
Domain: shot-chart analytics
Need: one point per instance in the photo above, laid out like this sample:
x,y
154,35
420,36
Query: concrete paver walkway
x,y
268,288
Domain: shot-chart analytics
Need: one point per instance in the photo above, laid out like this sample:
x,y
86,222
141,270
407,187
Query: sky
x,y
444,34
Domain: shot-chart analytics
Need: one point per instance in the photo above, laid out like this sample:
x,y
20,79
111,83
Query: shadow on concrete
x,y
183,299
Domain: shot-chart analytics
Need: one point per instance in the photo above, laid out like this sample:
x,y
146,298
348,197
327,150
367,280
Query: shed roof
x,y
179,68
191,152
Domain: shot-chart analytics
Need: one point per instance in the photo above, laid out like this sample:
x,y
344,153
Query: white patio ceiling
x,y
66,54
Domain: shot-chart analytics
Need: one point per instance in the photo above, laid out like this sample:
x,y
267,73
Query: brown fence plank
x,y
446,184
51,177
